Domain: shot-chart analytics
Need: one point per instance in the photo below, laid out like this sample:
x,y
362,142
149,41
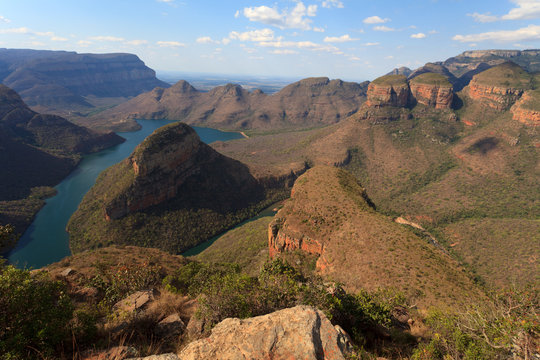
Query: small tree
x,y
7,236
34,314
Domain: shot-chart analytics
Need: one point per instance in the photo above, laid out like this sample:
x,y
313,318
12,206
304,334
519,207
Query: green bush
x,y
35,314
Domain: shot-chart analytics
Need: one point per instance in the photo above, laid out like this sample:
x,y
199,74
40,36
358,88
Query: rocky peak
x,y
527,109
388,90
183,87
432,89
401,71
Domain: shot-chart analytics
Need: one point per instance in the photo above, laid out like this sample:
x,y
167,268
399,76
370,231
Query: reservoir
x,y
46,240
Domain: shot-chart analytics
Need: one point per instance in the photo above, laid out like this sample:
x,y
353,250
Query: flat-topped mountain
x,y
471,60
309,102
60,79
173,192
37,150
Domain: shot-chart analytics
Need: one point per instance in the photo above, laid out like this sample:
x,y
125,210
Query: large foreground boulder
x,y
301,332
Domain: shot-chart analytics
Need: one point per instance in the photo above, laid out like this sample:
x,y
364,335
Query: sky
x,y
348,39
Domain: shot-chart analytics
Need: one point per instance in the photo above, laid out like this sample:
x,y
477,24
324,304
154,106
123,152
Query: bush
x,y
34,314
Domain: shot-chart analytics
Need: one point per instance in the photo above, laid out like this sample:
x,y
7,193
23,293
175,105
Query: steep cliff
x,y
388,90
499,87
63,79
329,215
527,109
433,90
309,102
173,192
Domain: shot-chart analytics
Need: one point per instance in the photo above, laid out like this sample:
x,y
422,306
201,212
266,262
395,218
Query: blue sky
x,y
347,39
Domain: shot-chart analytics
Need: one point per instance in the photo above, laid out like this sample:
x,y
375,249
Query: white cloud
x,y
354,58
375,20
483,18
527,9
531,32
339,39
256,58
4,19
383,28
84,43
389,57
433,32
225,41
106,38
170,44
284,52
318,29
254,35
26,31
332,3
294,19
237,14
136,42
371,44
206,40
418,36
308,45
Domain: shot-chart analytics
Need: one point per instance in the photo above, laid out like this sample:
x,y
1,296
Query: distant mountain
x,y
401,71
37,150
61,79
471,60
309,102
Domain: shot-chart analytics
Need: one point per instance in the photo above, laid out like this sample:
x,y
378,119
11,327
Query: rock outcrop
x,y
527,109
499,87
301,332
389,90
312,101
433,90
61,78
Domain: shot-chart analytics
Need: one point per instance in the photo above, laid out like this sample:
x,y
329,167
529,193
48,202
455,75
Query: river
x,y
46,240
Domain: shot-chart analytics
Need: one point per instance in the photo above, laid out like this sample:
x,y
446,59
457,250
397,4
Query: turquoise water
x,y
46,240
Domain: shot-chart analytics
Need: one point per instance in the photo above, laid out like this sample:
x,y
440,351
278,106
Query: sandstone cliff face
x,y
526,110
388,93
432,95
301,332
498,98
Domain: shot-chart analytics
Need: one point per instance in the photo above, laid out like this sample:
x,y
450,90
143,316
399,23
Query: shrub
x,y
34,313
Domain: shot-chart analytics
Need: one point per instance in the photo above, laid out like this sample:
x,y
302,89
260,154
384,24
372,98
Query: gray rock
x,y
171,326
302,332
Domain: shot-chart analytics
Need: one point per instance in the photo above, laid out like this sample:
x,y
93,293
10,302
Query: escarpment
x,y
499,87
61,79
173,192
330,216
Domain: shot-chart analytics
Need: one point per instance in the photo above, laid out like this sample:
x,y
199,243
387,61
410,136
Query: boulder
x,y
302,332
171,326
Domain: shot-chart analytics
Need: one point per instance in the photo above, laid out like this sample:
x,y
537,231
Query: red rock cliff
x,y
524,110
437,96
